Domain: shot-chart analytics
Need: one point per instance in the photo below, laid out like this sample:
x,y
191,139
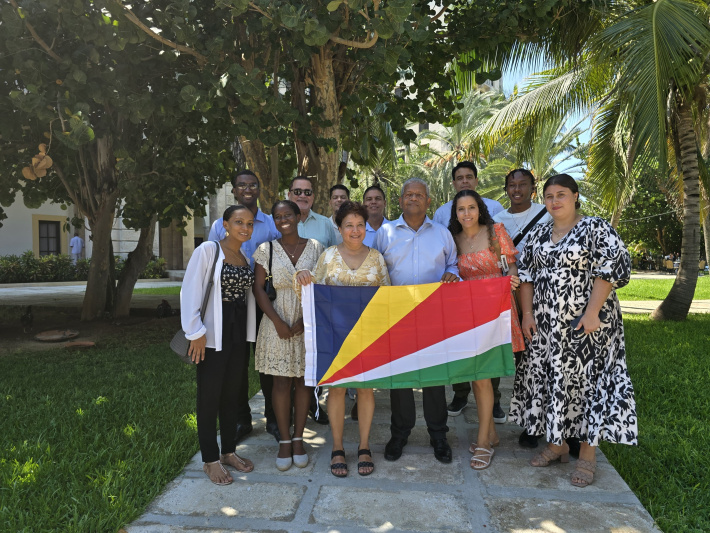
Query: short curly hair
x,y
350,208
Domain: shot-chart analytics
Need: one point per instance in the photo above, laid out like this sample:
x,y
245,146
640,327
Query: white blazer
x,y
193,289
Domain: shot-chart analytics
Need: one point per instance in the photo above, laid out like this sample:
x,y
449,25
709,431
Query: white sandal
x,y
485,460
301,461
283,463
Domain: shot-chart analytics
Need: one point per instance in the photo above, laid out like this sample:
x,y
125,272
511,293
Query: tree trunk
x,y
326,98
677,304
134,265
706,235
101,225
255,154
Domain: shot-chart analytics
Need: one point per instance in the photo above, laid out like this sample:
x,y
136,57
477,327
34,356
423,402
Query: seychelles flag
x,y
407,336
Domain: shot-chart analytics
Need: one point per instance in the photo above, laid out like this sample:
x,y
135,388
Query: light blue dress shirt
x,y
319,228
416,257
264,231
443,214
370,233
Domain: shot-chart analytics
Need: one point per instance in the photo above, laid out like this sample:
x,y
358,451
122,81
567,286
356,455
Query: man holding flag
x,y
417,250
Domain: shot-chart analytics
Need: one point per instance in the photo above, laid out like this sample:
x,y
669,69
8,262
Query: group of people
x,y
571,381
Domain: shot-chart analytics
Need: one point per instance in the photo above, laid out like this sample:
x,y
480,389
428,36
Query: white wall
x,y
16,231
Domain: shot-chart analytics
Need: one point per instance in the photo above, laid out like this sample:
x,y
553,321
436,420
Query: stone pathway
x,y
414,494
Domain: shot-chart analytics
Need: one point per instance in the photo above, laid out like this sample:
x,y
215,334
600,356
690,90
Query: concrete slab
x,y
242,499
555,516
382,511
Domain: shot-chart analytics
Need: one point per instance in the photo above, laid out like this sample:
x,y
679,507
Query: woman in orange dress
x,y
481,244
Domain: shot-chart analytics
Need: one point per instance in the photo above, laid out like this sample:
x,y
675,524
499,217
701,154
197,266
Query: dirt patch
x,y
18,337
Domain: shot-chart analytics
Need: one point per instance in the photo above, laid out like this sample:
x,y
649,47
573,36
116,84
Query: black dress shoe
x,y
442,450
242,431
272,428
527,441
322,417
393,449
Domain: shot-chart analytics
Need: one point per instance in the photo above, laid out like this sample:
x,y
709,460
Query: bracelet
x,y
528,313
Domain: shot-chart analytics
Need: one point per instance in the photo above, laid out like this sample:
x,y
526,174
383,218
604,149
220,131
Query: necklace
x,y
520,228
473,240
236,257
561,234
291,255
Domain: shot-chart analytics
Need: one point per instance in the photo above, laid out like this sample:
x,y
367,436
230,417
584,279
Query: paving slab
x,y
414,494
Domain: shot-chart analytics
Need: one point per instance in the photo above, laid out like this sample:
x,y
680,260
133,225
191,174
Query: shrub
x,y
26,268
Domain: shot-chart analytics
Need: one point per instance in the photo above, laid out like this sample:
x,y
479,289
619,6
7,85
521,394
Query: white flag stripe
x,y
462,346
309,332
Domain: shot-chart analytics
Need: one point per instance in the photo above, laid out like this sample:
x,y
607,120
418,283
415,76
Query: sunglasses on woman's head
x,y
299,192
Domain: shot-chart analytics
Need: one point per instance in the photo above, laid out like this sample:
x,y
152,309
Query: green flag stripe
x,y
496,362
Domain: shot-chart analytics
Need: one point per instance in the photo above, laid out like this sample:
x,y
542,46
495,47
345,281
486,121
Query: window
x,y
49,235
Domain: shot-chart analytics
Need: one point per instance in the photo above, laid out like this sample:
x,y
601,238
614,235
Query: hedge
x,y
26,268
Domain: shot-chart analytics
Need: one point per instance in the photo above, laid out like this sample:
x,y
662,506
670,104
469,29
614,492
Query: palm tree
x,y
641,75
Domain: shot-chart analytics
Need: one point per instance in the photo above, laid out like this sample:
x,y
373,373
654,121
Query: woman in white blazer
x,y
218,340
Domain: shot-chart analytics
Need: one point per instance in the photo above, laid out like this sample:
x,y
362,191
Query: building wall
x,y
20,233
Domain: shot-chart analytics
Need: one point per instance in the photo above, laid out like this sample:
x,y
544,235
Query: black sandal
x,y
365,464
338,466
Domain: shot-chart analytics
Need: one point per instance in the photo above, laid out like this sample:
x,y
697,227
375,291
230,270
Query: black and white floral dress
x,y
570,384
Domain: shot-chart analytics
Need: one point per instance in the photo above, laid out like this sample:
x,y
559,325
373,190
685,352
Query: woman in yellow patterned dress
x,y
350,263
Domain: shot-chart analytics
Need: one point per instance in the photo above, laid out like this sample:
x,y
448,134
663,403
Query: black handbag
x,y
180,345
269,283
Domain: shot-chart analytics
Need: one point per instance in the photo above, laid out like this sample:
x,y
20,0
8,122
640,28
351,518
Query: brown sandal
x,y
205,469
548,456
583,475
238,463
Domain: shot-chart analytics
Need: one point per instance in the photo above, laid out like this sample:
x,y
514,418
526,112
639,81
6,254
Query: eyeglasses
x,y
299,192
247,186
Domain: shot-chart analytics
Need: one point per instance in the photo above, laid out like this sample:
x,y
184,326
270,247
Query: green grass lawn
x,y
658,289
89,438
670,469
157,290
637,289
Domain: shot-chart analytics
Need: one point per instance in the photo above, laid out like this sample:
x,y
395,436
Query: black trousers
x,y
266,381
404,412
219,382
462,390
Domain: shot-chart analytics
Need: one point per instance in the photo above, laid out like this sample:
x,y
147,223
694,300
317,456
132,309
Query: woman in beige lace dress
x,y
350,263
280,348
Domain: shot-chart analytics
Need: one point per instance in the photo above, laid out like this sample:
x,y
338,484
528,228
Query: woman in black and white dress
x,y
574,382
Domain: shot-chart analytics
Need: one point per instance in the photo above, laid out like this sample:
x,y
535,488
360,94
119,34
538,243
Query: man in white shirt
x,y
246,188
464,178
523,214
339,194
76,244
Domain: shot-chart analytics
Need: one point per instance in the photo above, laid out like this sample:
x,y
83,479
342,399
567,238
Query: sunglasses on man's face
x,y
299,192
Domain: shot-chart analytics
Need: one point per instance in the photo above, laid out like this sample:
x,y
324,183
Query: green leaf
x,y
239,7
189,94
398,10
316,34
289,16
335,4
79,76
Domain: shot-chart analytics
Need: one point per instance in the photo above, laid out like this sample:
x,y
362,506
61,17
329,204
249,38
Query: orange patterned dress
x,y
483,265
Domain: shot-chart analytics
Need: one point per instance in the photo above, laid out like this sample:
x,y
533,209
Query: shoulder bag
x,y
180,345
269,283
